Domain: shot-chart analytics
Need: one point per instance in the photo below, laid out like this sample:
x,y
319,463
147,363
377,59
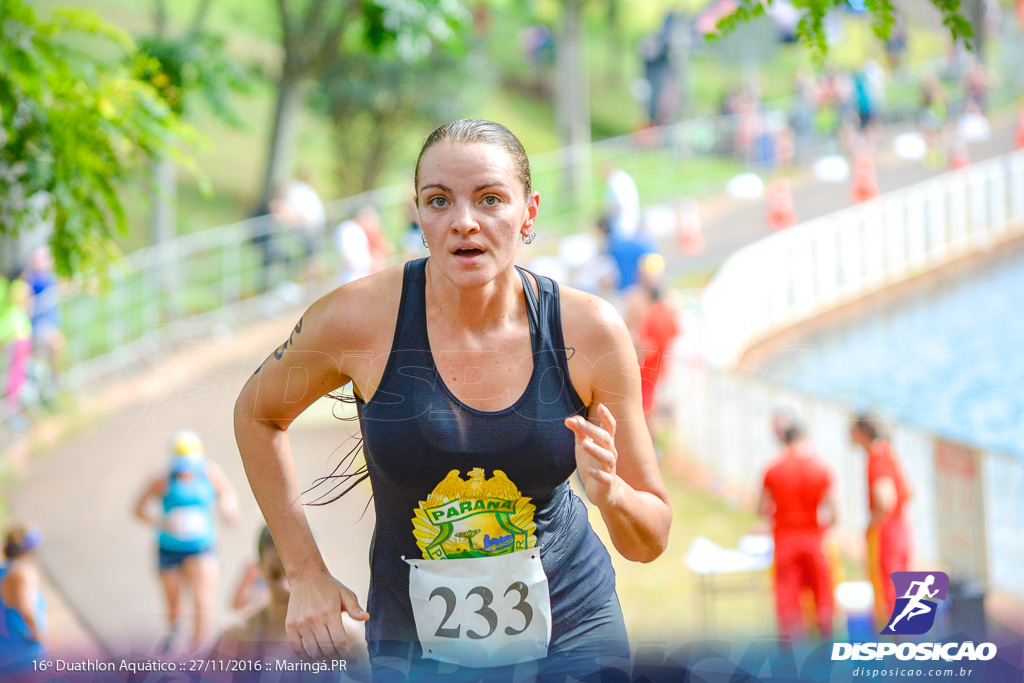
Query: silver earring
x,y
528,239
424,238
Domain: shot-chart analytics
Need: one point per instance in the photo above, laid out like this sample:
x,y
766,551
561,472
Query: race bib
x,y
188,523
482,611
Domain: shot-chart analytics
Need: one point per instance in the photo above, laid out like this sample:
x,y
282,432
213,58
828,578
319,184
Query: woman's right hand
x,y
314,625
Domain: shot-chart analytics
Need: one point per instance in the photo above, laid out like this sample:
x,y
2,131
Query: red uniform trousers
x,y
800,565
888,551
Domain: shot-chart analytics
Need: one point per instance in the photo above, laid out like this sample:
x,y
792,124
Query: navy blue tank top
x,y
424,448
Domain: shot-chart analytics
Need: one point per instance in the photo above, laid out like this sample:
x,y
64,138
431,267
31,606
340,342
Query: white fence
x,y
811,268
967,502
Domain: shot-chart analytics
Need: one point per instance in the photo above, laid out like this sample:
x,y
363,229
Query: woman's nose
x,y
463,219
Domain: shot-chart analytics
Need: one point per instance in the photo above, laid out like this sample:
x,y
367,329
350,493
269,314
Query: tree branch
x,y
159,18
314,15
287,36
199,18
328,52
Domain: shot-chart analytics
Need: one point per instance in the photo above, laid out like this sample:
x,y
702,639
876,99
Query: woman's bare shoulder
x,y
362,312
590,322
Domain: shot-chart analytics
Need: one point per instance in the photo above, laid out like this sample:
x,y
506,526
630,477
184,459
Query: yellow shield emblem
x,y
478,517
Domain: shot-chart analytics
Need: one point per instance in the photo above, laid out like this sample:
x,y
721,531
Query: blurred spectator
x,y
896,43
16,339
252,591
262,636
537,45
626,252
787,19
802,116
413,245
656,53
934,103
22,603
653,324
977,85
354,248
362,245
380,248
869,89
47,338
297,206
797,495
888,532
622,202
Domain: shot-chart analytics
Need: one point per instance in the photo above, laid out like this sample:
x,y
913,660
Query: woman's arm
x,y
20,593
143,510
245,593
227,499
304,368
614,452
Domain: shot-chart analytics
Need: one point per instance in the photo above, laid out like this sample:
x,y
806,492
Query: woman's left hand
x,y
596,456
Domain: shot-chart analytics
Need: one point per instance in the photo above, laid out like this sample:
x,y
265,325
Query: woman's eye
x,y
491,200
437,202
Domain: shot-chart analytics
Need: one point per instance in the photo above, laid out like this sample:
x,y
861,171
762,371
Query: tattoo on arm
x,y
283,347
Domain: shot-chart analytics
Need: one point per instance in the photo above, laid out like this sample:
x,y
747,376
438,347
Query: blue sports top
x,y
188,511
424,447
16,649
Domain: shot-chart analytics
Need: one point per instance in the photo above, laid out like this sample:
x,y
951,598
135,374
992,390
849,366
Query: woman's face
x,y
472,210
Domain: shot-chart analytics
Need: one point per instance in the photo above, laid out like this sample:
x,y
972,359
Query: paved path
x,y
81,492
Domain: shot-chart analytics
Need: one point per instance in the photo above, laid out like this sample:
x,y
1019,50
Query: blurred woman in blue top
x,y
22,605
186,534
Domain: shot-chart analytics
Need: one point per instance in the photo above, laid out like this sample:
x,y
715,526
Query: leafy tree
x,y
811,29
190,68
75,128
373,99
315,34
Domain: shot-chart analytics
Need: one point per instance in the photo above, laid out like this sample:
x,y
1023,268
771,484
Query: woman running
x,y
480,388
186,534
22,604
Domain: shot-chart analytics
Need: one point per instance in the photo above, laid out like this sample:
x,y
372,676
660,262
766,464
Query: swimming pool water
x,y
949,358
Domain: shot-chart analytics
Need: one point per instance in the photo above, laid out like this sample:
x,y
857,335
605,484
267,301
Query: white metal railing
x,y
806,270
219,274
964,515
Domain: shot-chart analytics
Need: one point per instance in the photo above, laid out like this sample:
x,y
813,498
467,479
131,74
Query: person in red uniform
x,y
888,534
797,495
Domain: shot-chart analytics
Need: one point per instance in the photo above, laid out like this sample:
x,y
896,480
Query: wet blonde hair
x,y
487,132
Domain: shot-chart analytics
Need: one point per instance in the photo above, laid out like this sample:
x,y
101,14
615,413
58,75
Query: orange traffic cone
x,y
865,180
691,231
958,157
781,212
1019,137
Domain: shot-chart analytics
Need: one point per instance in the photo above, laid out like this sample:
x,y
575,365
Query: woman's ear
x,y
532,207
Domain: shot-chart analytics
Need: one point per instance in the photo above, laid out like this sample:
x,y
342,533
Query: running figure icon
x,y
917,605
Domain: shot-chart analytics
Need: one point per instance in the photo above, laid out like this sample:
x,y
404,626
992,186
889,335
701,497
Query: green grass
x,y
660,599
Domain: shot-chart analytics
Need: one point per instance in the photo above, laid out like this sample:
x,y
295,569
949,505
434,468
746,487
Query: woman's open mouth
x,y
468,254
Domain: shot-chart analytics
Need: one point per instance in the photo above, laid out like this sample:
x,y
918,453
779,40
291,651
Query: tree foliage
x,y
74,129
189,69
811,28
374,96
319,36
